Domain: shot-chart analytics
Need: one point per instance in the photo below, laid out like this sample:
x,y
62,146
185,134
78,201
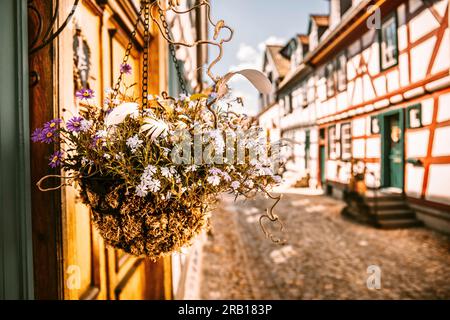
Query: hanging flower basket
x,y
151,168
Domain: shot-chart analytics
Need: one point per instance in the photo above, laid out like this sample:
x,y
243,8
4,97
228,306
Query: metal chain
x,y
145,56
175,60
128,51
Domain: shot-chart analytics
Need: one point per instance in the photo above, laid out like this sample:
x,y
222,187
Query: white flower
x,y
192,104
101,134
84,161
141,190
120,113
183,190
184,97
85,125
168,172
214,180
215,171
226,176
191,168
107,156
235,185
134,143
150,170
250,184
154,185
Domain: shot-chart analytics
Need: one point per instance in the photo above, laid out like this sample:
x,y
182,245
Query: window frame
x,y
343,125
335,142
417,106
393,16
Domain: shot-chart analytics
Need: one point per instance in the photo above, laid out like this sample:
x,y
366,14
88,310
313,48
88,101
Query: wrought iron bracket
x,y
41,40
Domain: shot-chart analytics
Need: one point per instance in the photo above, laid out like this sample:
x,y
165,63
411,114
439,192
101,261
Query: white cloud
x,y
246,53
249,57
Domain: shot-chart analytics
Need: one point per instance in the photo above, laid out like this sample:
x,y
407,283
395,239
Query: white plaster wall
x,y
414,180
359,127
358,148
417,143
420,59
438,189
427,111
421,25
373,147
441,144
444,108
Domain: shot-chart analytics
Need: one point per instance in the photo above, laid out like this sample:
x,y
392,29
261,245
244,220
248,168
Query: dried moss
x,y
137,226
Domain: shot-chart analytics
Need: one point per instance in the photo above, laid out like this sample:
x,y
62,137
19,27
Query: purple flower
x,y
55,159
85,94
52,125
74,124
125,68
37,135
48,136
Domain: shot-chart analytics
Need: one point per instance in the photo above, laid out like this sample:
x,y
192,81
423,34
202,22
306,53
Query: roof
x,y
281,63
321,20
303,39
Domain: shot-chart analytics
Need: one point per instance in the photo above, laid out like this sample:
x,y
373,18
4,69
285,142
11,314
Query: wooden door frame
x,y
16,253
46,207
385,146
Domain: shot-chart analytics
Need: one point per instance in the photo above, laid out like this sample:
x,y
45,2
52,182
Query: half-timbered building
x,y
381,99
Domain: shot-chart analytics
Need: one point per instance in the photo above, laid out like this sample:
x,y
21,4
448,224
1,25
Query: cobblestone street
x,y
326,256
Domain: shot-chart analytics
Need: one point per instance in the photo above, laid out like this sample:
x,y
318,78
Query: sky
x,y
255,23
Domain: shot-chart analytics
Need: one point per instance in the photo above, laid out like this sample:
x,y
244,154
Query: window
x,y
341,70
414,118
345,5
388,43
329,75
346,141
334,144
288,104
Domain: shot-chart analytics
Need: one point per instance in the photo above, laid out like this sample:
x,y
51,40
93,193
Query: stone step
x,y
382,204
372,196
394,214
398,223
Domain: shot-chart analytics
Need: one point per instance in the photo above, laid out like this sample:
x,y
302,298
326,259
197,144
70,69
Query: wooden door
x,y
394,151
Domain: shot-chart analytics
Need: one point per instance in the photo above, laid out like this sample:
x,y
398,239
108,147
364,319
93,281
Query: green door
x,y
322,165
394,144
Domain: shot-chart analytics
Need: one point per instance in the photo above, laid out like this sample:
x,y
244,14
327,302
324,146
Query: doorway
x,y
393,161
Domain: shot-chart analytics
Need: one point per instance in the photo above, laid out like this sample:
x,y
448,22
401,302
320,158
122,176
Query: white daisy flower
x,y
167,172
154,185
214,180
191,168
141,190
150,170
235,185
134,143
